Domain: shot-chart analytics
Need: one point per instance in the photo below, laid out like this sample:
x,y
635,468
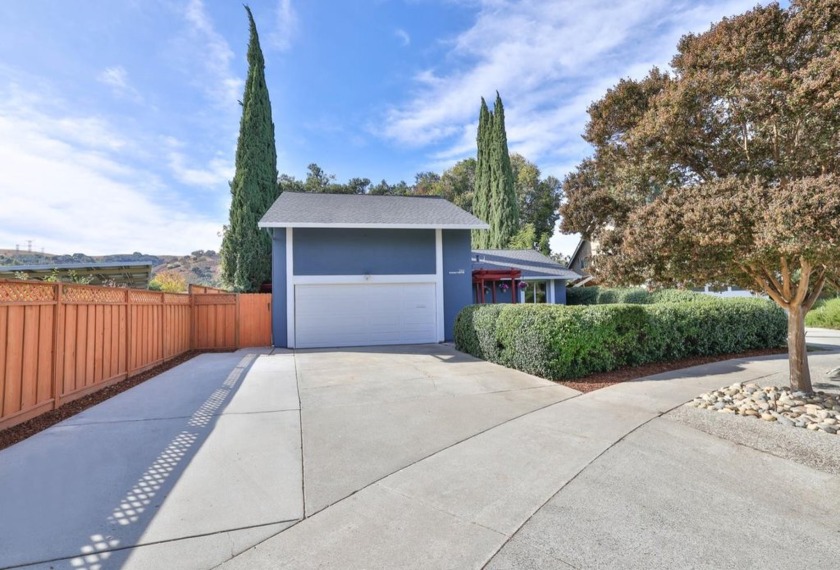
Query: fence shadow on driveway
x,y
85,491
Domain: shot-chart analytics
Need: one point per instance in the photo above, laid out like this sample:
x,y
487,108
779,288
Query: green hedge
x,y
556,342
825,315
632,295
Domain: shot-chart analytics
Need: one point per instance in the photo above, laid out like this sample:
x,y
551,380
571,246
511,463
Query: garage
x,y
363,270
335,315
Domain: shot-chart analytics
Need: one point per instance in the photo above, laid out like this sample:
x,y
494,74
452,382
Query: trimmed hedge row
x,y
825,315
634,295
556,342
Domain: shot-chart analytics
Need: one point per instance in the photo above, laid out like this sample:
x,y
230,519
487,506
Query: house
x,y
355,270
518,276
581,263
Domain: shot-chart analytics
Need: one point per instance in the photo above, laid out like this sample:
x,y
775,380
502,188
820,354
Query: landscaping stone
x,y
816,411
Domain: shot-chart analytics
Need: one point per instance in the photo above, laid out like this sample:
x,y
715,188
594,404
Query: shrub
x,y
632,295
825,315
557,342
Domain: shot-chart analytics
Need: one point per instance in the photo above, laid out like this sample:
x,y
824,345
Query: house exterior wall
x,y
319,253
278,288
339,251
457,277
581,262
559,292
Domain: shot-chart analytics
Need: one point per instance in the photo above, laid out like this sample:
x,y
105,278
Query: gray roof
x,y
301,210
532,263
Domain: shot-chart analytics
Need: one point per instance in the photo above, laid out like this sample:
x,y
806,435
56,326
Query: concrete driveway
x,y
418,457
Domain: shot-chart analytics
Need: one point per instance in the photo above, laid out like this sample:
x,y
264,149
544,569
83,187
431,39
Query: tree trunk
x,y
800,375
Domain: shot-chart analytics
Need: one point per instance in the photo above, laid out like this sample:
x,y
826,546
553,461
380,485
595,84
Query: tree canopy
x,y
246,249
725,168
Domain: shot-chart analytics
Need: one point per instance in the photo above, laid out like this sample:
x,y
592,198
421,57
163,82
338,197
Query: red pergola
x,y
483,276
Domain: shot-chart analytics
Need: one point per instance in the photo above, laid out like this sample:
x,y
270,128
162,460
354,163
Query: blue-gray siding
x,y
457,277
278,288
339,251
559,292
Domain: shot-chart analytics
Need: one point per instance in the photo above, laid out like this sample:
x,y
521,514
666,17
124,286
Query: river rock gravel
x,y
815,411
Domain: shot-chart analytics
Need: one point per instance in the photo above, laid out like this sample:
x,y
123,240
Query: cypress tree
x,y
504,208
481,198
246,249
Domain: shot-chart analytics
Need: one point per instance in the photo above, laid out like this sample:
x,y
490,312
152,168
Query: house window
x,y
536,292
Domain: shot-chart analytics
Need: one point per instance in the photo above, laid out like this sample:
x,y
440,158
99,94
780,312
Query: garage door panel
x,y
329,315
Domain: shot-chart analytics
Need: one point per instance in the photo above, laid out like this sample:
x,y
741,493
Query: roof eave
x,y
267,225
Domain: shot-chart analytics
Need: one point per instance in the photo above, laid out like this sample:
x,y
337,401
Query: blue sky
x,y
118,118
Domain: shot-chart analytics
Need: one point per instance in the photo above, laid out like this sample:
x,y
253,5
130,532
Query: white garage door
x,y
364,314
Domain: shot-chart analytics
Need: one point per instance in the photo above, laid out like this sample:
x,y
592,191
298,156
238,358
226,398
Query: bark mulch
x,y
21,431
604,379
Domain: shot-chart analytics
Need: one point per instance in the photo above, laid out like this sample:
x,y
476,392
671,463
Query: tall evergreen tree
x,y
246,249
481,205
504,207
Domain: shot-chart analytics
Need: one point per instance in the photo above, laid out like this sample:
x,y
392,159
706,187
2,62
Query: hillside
x,y
200,267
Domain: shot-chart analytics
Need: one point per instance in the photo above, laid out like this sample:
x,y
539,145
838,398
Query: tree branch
x,y
815,290
764,285
802,286
786,277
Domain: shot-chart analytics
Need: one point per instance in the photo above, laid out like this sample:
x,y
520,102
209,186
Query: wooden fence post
x,y
192,319
163,327
58,346
128,333
236,323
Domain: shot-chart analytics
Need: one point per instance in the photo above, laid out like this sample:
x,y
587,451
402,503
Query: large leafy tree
x,y
246,250
725,169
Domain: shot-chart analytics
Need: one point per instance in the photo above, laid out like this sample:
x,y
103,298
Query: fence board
x,y
29,367
254,319
4,312
61,341
14,361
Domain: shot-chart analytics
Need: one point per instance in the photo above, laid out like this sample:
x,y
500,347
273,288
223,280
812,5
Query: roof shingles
x,y
293,209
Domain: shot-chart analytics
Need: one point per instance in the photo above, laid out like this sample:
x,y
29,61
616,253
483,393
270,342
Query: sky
x,y
119,118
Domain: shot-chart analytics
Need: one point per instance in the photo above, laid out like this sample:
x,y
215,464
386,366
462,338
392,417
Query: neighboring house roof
x,y
302,210
532,263
576,253
131,273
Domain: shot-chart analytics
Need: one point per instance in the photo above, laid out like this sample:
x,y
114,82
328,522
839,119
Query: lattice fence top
x,y
176,299
99,295
12,292
147,297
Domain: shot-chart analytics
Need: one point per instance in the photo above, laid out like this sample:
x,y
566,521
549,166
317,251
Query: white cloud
x,y
403,36
549,59
116,77
70,184
286,26
213,52
218,171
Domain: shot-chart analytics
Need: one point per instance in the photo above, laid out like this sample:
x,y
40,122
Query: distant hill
x,y
200,267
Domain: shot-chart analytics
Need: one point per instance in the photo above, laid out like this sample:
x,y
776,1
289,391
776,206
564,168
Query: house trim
x,y
290,289
439,284
375,226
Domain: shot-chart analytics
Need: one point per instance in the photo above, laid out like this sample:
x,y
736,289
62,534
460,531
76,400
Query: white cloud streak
x,y
214,55
69,183
402,35
549,59
117,79
286,26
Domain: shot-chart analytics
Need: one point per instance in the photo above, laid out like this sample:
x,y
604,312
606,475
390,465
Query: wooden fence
x,y
59,342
